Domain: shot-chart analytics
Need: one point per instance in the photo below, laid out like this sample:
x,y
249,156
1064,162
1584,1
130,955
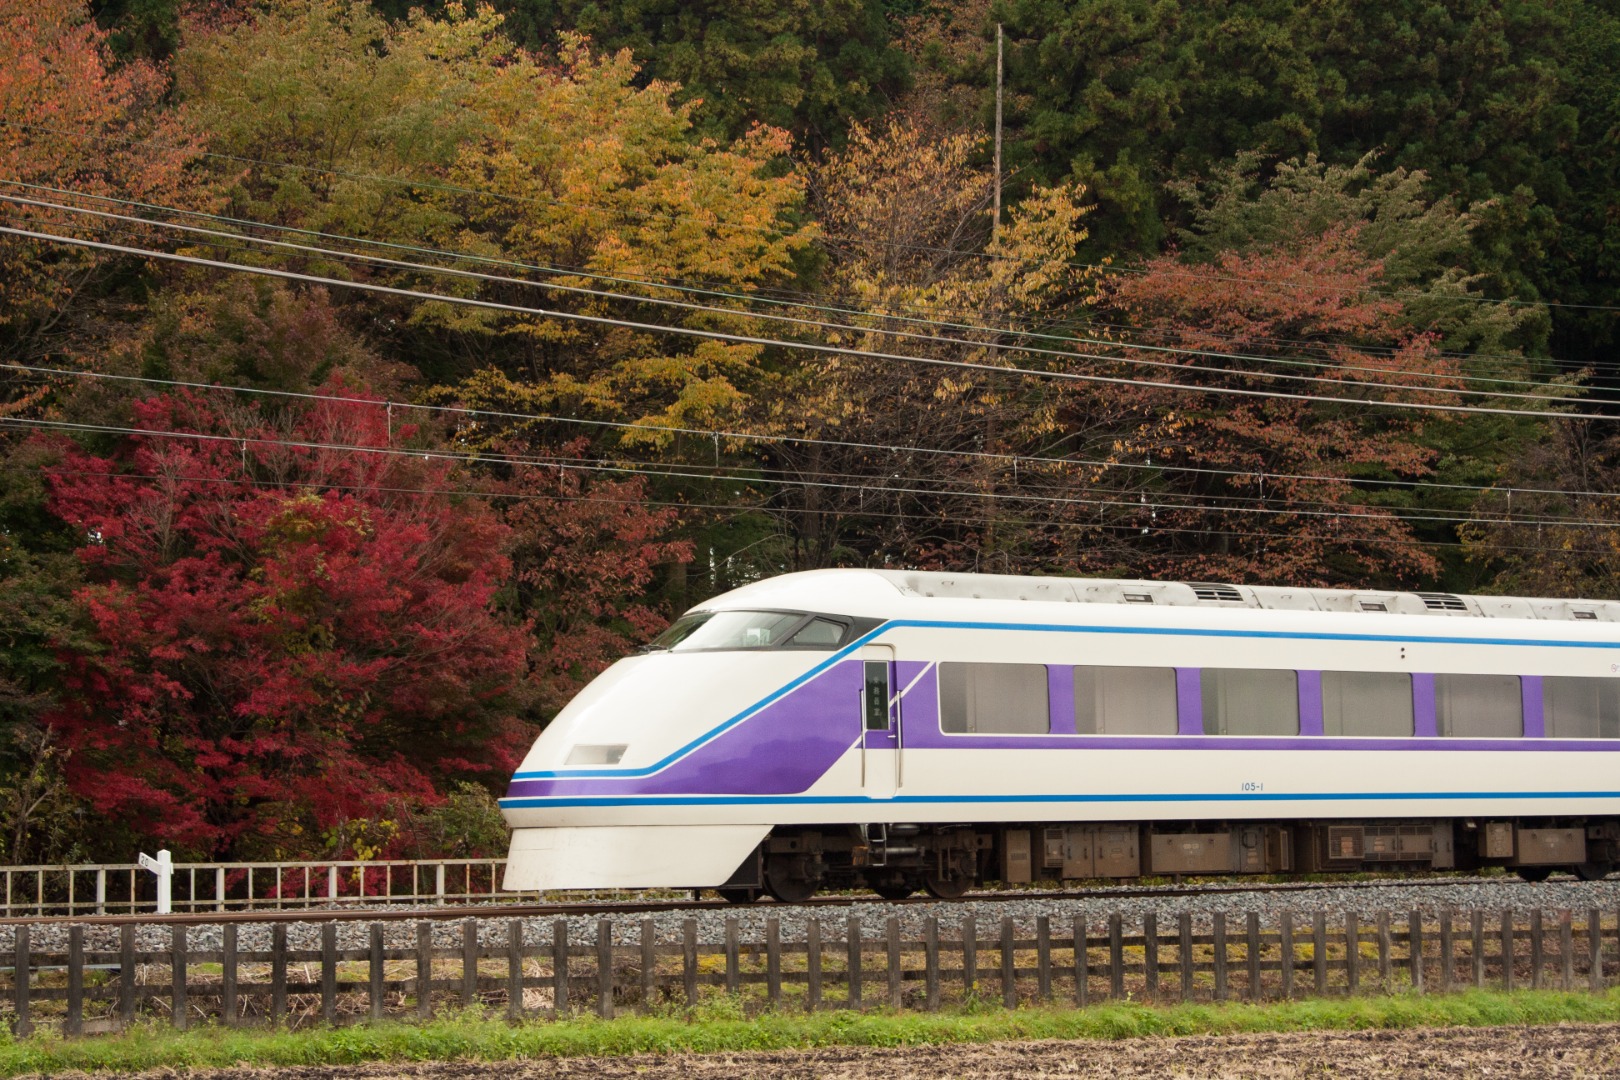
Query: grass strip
x,y
473,1036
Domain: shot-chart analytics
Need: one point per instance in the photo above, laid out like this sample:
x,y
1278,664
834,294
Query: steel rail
x,y
640,907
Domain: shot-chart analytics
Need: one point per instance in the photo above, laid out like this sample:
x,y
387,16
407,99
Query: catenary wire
x,y
435,185
738,509
1128,503
308,249
1013,460
1296,362
816,347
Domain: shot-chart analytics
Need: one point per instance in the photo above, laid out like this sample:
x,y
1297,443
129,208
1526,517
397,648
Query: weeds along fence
x,y
838,964
126,888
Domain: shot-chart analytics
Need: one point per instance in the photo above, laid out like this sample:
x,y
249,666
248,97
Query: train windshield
x,y
750,630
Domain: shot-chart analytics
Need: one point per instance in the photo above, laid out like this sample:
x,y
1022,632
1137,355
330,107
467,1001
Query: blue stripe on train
x,y
836,800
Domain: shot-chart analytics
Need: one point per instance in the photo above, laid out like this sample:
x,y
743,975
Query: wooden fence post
x,y
1116,956
1319,951
852,948
177,970
1507,949
469,963
1536,957
970,954
329,964
812,963
1150,955
1352,953
896,990
229,966
773,960
689,971
1252,939
733,958
424,969
931,963
21,976
1218,933
649,963
514,969
1184,947
1594,934
1446,956
1566,950
1082,963
74,1023
1009,961
126,973
1414,948
1043,958
1285,933
1385,946
1476,926
604,966
377,961
559,967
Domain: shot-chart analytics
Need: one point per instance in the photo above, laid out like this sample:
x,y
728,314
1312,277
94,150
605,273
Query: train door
x,y
880,723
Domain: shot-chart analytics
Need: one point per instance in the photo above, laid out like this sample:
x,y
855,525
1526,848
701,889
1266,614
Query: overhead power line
x,y
859,240
1113,501
991,332
1015,461
1132,527
815,347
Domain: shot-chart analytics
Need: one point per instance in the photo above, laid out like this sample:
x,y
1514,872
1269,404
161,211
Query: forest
x,y
373,375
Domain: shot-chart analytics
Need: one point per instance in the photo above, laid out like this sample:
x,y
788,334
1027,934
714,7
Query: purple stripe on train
x,y
780,750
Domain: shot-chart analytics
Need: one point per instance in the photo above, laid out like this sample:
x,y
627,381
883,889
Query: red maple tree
x,y
294,623
1276,488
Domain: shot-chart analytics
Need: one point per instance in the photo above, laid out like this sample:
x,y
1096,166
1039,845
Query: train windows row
x,y
1015,699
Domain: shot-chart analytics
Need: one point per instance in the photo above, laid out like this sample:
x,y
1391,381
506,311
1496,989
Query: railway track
x,y
648,907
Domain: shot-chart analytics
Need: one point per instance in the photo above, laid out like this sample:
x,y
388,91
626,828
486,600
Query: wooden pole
x,y
996,218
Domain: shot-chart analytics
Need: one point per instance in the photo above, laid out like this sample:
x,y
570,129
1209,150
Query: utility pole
x,y
995,227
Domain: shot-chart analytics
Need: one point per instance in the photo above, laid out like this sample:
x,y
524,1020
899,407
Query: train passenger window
x,y
993,699
1250,702
1124,701
1376,704
819,634
1575,708
1478,706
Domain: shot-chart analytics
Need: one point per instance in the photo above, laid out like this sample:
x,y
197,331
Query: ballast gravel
x,y
1365,900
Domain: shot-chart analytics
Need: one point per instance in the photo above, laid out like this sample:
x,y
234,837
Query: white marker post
x,y
163,867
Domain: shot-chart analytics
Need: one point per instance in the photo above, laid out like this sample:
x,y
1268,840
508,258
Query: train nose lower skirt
x,y
628,856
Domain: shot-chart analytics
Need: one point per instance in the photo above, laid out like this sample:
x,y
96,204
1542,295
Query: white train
x,y
919,730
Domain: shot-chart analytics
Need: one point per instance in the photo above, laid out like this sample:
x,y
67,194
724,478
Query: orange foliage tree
x,y
72,119
1275,488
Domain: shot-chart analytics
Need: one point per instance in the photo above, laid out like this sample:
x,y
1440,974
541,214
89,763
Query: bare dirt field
x,y
1587,1050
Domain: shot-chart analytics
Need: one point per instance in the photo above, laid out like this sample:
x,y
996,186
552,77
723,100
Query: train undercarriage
x,y
897,860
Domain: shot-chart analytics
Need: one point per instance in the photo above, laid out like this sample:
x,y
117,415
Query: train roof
x,y
830,585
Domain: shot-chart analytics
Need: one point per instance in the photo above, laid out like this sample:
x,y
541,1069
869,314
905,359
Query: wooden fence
x,y
840,964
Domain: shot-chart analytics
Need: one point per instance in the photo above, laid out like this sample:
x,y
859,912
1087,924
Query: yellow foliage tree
x,y
909,235
440,133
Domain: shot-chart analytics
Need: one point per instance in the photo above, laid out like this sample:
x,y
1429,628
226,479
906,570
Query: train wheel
x,y
785,885
1533,873
1593,871
738,896
946,888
